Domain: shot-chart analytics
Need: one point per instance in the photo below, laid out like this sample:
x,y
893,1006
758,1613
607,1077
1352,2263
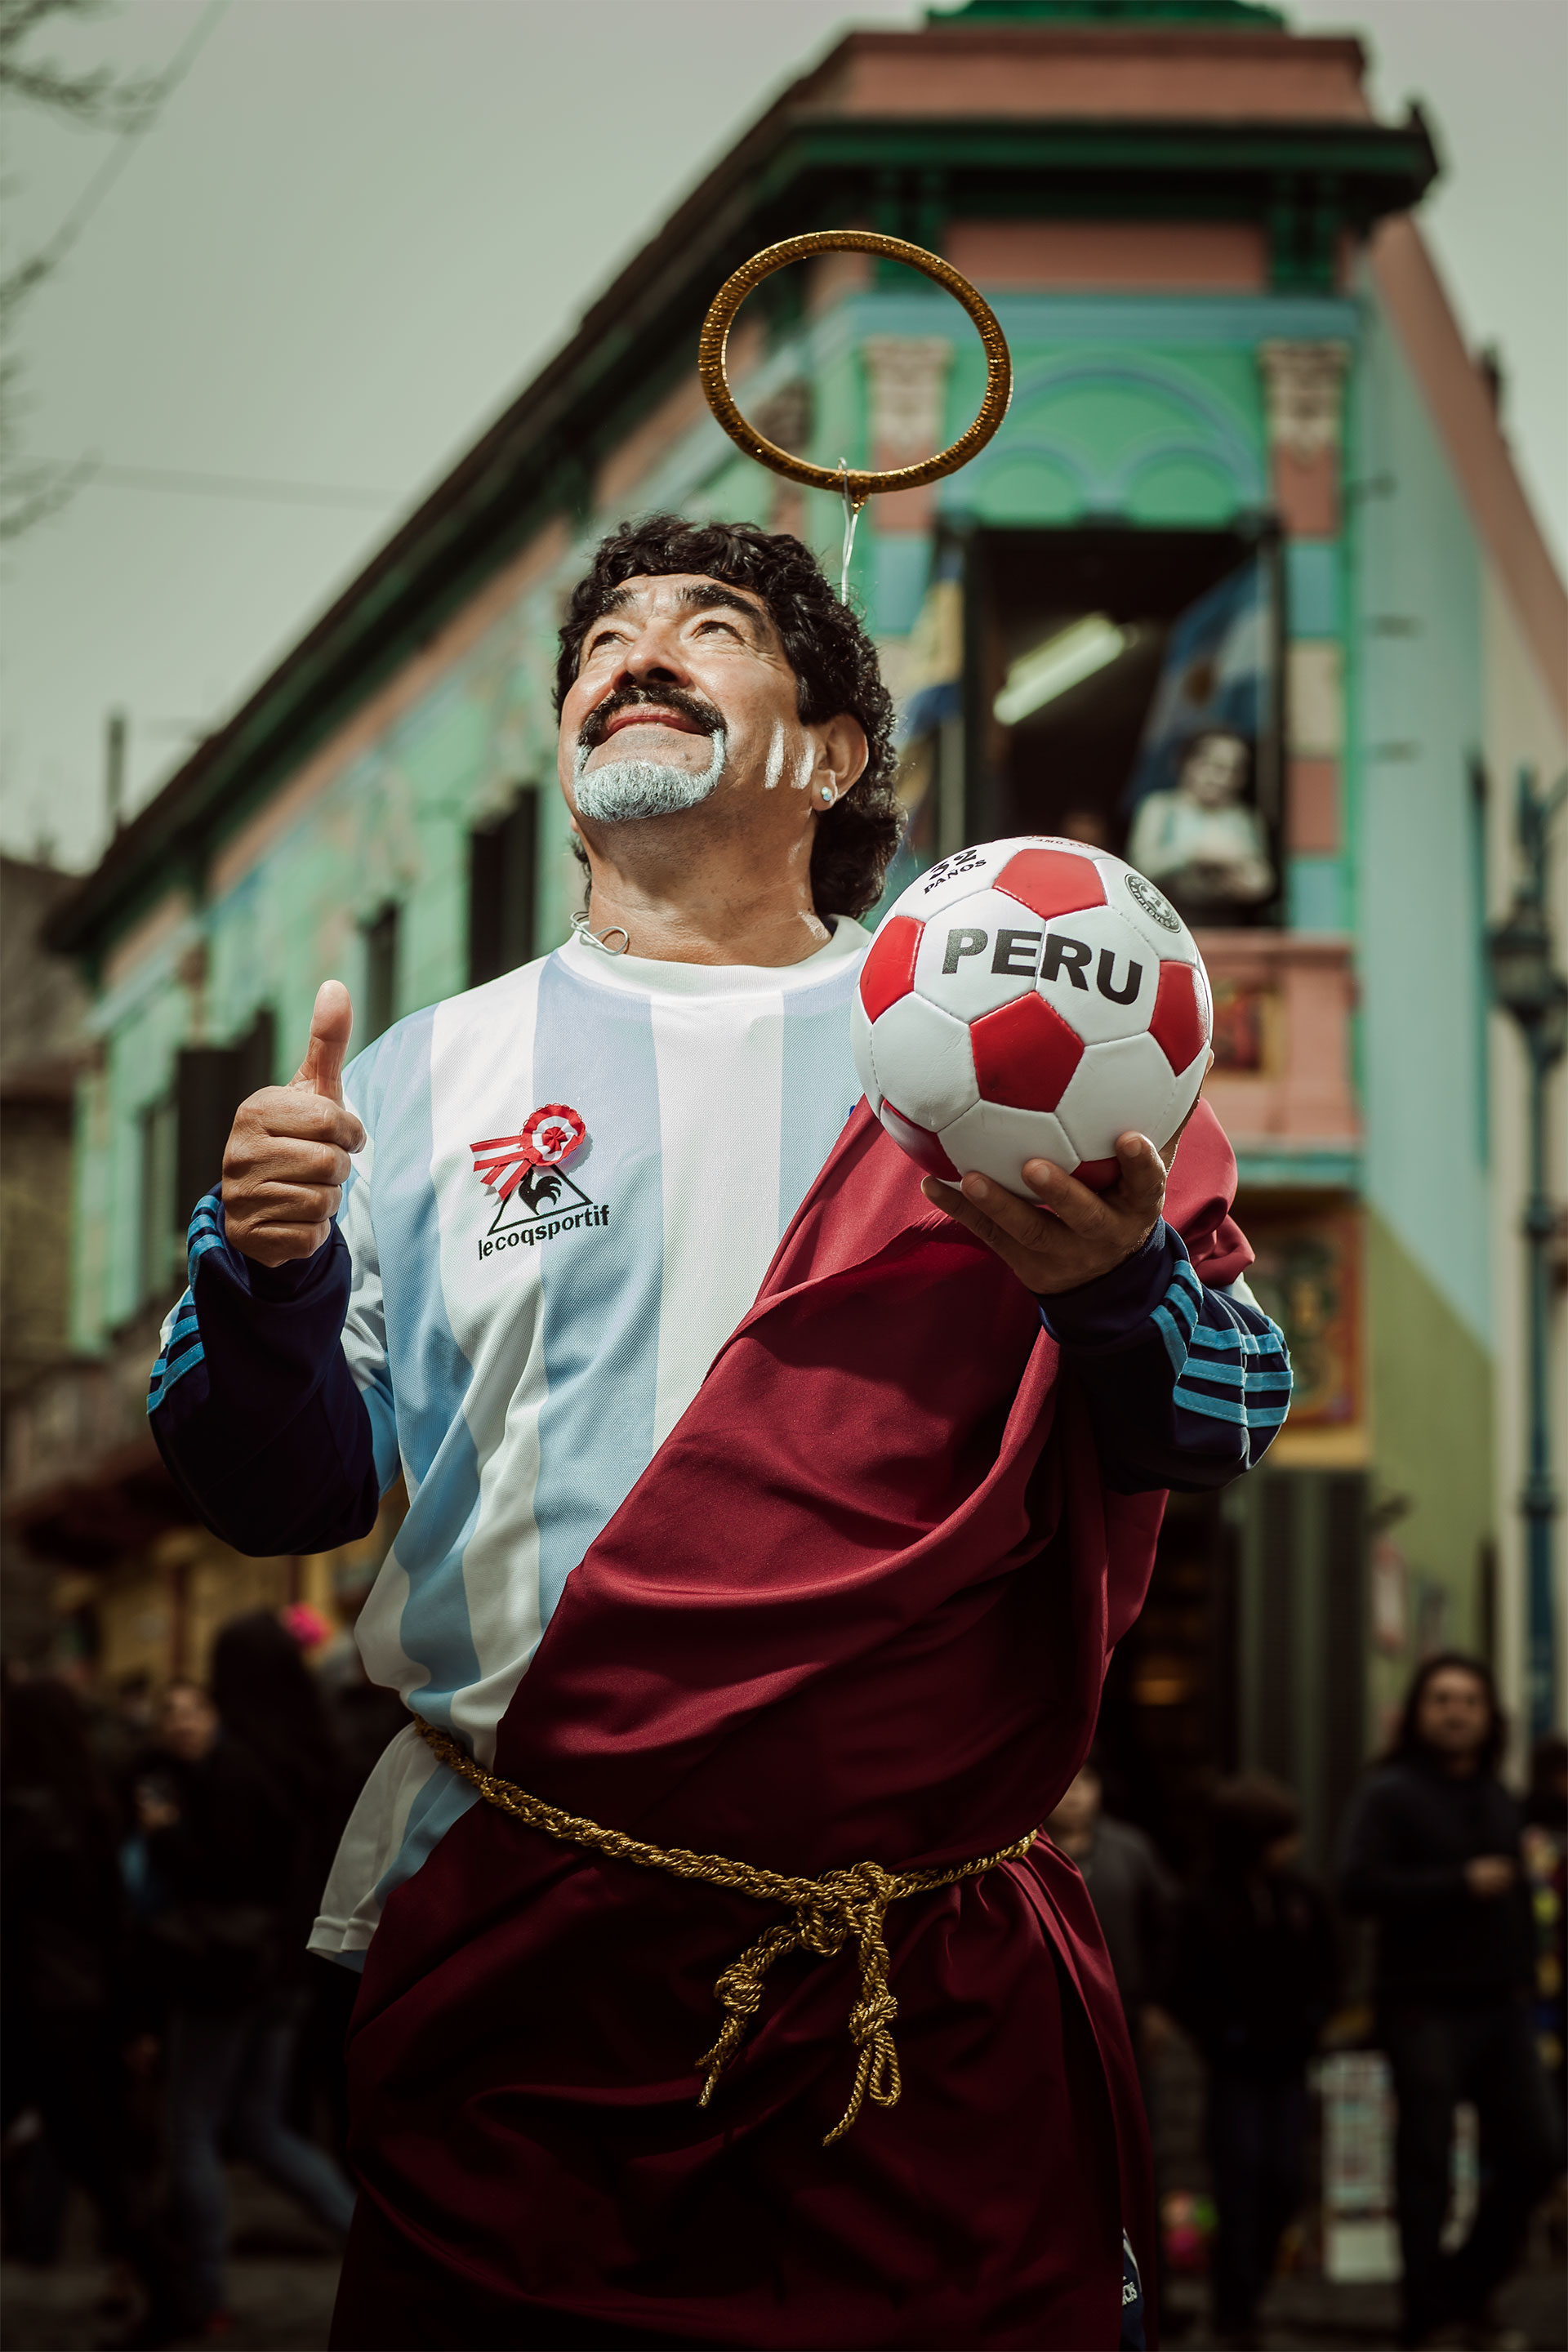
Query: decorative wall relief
x,y
1116,434
1303,396
1307,1277
906,378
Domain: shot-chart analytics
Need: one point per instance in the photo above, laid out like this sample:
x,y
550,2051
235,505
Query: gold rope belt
x,y
841,1907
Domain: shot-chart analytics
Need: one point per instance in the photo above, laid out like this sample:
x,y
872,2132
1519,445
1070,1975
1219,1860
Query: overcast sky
x,y
358,226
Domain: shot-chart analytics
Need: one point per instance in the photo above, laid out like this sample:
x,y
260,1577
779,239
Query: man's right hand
x,y
1491,1874
288,1153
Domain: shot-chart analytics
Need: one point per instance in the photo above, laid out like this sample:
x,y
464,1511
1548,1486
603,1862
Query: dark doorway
x,y
1065,764
380,972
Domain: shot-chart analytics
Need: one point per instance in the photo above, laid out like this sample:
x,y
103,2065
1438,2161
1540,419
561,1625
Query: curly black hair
x,y
825,644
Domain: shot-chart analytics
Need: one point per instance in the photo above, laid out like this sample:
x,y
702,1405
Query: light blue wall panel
x,y
1416,701
902,566
1313,602
1316,896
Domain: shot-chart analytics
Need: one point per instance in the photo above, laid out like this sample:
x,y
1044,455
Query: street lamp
x,y
1527,985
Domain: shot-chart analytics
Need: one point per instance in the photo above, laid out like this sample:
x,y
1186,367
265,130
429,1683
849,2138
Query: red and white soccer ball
x,y
1030,999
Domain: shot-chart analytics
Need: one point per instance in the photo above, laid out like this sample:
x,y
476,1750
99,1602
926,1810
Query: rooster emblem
x,y
527,1161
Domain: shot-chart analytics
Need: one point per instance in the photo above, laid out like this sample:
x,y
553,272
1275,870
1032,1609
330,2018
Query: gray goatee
x,y
626,789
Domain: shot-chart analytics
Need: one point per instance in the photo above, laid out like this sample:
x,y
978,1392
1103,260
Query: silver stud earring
x,y
829,794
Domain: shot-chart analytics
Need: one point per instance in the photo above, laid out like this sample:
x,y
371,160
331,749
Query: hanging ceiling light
x,y
1065,659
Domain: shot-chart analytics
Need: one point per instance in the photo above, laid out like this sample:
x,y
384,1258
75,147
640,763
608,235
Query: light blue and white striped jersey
x,y
522,1358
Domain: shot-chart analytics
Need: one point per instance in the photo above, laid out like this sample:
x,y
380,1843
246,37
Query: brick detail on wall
x,y
1312,819
1307,492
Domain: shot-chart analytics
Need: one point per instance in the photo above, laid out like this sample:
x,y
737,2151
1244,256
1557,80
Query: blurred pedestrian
x,y
365,1717
223,1852
1253,1982
63,2017
1432,1854
271,1701
1135,1897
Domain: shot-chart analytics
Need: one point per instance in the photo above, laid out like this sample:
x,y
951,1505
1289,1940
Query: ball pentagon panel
x,y
1126,1083
1051,880
889,971
1179,1023
981,951
996,1141
1206,997
1097,973
922,1061
1188,1086
1025,1055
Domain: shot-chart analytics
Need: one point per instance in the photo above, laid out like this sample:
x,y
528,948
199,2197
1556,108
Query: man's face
x,y
187,1724
1079,1807
683,700
1453,1716
1214,770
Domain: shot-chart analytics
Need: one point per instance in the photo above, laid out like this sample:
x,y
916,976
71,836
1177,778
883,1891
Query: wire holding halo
x,y
856,485
851,517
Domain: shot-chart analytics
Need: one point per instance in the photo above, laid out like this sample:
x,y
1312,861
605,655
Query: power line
x,y
114,163
231,486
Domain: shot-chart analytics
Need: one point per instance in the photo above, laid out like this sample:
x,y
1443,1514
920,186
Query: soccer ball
x,y
1030,999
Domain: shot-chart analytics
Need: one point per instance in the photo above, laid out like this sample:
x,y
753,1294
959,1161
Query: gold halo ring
x,y
855,486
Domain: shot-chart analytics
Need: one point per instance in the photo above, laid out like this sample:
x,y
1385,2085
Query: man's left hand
x,y
1078,1234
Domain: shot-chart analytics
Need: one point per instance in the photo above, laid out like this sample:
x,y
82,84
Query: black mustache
x,y
630,697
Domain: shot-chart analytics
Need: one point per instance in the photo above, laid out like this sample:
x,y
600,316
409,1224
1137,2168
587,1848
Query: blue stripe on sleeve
x,y
1235,1368
1177,1313
1186,1385
205,1231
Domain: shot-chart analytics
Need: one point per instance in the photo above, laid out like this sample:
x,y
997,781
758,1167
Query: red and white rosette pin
x,y
549,1135
552,1133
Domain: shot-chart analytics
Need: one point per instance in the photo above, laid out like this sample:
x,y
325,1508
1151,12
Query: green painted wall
x,y
1432,1443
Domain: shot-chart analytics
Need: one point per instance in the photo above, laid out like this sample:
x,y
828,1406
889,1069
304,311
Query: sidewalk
x,y
1308,2310
282,2281
283,2285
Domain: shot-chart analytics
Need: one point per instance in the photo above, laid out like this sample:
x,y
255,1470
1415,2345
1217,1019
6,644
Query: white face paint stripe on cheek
x,y
775,756
803,774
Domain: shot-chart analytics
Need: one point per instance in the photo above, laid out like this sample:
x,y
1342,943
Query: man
x,y
774,1569
1135,1897
1432,1854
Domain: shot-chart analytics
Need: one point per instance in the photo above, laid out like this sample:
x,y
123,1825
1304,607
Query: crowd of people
x,y
161,1870
1462,1885
161,2015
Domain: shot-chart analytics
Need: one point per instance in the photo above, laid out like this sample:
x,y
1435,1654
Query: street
x,y
284,2280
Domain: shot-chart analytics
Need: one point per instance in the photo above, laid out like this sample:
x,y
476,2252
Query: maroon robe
x,y
858,1606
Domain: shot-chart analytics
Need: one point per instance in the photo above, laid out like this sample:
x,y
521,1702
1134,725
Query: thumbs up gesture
x,y
288,1151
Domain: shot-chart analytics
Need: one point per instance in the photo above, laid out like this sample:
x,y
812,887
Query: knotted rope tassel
x,y
841,1907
